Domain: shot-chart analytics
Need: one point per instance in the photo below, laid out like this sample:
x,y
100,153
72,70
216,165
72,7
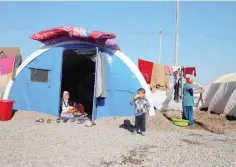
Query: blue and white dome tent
x,y
101,78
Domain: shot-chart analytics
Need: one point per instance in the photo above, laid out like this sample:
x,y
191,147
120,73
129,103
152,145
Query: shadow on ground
x,y
127,126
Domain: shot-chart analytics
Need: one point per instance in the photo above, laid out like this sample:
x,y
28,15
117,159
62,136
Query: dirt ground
x,y
214,123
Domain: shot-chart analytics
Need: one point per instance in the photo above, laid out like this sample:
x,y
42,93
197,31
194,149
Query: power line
x,y
125,17
140,33
211,11
165,11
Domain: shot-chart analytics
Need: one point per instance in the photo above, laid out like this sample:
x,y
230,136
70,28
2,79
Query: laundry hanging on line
x,y
168,70
6,65
159,80
190,70
145,68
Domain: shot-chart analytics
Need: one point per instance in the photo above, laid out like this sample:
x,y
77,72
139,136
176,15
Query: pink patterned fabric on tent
x,y
65,33
72,32
109,43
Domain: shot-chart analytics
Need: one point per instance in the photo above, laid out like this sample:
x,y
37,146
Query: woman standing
x,y
188,101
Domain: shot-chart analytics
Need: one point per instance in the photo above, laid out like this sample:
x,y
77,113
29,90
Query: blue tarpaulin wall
x,y
121,84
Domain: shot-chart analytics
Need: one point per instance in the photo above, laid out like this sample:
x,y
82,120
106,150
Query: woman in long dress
x,y
188,101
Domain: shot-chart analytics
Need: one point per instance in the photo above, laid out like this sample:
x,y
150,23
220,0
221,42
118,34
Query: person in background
x,y
188,101
200,97
142,106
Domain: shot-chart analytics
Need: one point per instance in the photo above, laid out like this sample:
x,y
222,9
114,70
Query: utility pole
x,y
176,35
160,35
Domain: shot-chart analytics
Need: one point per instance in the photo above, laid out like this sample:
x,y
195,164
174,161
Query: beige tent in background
x,y
220,96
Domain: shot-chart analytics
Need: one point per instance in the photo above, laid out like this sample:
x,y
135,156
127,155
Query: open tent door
x,y
99,85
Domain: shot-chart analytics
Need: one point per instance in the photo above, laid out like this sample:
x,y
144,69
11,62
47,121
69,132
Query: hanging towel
x,y
168,70
159,80
6,65
190,70
17,63
145,68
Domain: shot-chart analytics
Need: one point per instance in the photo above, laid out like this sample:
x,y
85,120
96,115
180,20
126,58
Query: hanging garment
x,y
176,71
101,84
145,68
181,87
159,80
190,70
176,93
176,68
6,65
17,63
168,70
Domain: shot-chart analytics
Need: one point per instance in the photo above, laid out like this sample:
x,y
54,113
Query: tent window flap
x,y
39,75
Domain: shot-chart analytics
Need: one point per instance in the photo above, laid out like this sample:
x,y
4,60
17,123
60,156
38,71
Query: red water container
x,y
6,109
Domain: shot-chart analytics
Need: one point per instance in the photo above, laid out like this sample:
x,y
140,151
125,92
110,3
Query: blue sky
x,y
207,37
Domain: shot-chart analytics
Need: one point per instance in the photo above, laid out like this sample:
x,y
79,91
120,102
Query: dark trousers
x,y
140,122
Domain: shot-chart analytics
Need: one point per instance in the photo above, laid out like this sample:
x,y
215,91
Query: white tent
x,y
220,96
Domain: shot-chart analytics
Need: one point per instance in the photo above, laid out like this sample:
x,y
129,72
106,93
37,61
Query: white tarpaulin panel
x,y
230,108
220,96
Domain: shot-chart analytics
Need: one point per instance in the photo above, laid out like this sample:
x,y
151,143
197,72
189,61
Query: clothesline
x,y
147,69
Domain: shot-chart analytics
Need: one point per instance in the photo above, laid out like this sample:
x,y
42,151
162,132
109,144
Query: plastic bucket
x,y
6,109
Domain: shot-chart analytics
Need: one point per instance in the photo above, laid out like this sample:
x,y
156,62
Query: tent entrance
x,y
78,77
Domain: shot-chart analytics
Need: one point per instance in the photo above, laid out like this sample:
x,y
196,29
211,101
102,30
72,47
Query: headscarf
x,y
64,94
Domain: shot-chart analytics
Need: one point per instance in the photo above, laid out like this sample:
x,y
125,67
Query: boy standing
x,y
142,106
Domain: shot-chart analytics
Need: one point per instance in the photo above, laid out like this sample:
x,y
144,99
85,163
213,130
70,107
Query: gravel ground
x,y
25,143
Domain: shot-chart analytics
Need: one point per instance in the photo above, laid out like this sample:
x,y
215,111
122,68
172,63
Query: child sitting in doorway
x,y
142,106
